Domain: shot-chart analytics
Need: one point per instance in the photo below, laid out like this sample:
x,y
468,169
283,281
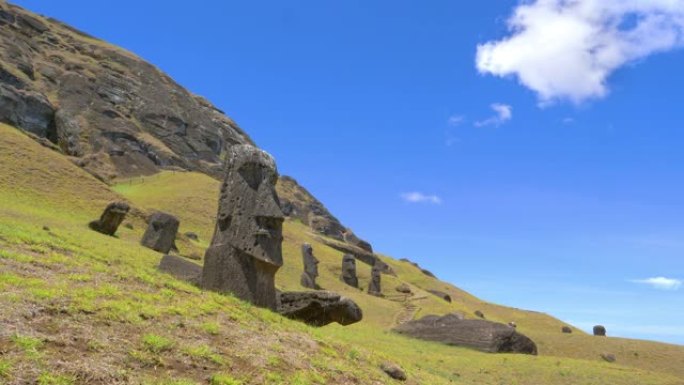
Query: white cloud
x,y
417,197
661,283
456,120
567,49
504,113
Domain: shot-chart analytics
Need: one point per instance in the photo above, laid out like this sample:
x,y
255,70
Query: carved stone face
x,y
310,262
249,217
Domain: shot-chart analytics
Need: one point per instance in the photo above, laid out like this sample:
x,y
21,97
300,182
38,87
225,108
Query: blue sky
x,y
536,162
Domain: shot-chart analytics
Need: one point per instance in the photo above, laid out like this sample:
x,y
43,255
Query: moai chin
x,y
245,252
310,273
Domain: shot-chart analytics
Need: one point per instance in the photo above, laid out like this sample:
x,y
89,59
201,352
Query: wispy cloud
x,y
418,197
661,283
503,112
456,120
566,50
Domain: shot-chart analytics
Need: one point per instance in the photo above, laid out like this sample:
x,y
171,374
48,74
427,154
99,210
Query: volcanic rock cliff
x,y
119,116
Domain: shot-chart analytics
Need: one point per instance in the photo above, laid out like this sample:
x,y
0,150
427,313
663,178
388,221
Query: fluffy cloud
x,y
661,283
567,49
417,197
504,113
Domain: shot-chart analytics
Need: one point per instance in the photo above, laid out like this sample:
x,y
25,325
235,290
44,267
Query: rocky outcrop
x,y
319,308
89,97
111,218
486,336
246,250
358,253
161,232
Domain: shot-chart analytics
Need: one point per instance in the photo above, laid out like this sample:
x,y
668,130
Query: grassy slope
x,y
82,307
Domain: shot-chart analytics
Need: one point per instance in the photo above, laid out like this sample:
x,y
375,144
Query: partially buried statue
x,y
245,252
310,273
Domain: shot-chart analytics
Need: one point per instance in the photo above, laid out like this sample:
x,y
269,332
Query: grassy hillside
x,y
80,307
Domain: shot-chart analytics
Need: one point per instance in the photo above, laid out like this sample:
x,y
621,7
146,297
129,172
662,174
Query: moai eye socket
x,y
253,174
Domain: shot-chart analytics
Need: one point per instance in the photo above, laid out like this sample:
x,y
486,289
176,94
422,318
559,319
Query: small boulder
x,y
161,232
111,218
608,357
479,314
566,330
393,370
319,308
600,331
192,236
181,269
441,295
403,288
513,325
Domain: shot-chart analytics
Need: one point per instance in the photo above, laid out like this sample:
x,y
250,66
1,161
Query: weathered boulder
x,y
441,295
192,236
374,286
161,232
319,308
181,268
349,271
600,331
608,357
246,250
393,370
482,335
403,288
111,218
310,273
479,314
566,330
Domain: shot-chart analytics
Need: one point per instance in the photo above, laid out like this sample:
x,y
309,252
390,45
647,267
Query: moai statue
x,y
310,267
349,270
245,252
374,285
161,232
111,218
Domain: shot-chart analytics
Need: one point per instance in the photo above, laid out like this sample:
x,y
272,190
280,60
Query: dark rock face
x,y
393,370
110,101
111,218
566,330
245,252
310,267
482,335
360,254
319,308
161,232
441,295
428,273
352,239
181,269
349,271
600,330
374,287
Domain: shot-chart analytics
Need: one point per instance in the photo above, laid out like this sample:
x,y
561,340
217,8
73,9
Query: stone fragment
x,y
566,330
349,271
479,314
310,273
482,335
441,295
246,250
319,308
403,288
608,357
192,236
393,370
161,232
111,218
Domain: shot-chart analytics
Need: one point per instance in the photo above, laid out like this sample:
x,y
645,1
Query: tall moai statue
x,y
310,267
349,271
246,251
374,285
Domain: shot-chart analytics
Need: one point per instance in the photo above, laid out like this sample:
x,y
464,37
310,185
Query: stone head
x,y
310,262
249,217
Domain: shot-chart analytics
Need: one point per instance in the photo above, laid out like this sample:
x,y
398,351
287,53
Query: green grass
x,y
106,313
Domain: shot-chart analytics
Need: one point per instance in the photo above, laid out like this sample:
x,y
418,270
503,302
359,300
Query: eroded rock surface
x,y
246,251
181,268
319,308
482,335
